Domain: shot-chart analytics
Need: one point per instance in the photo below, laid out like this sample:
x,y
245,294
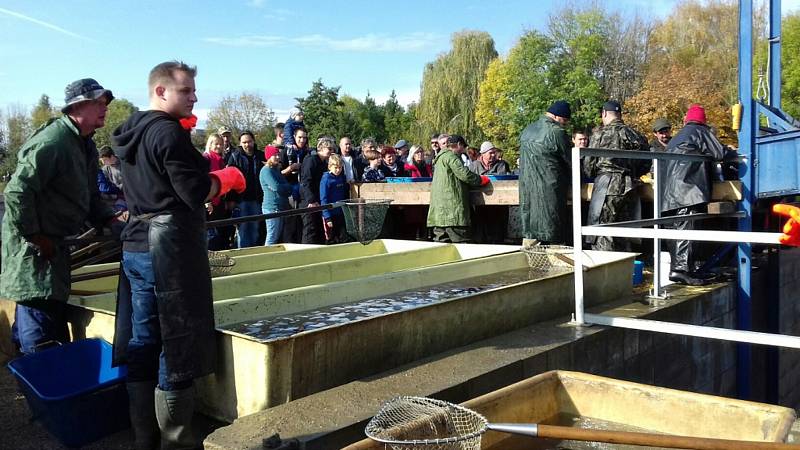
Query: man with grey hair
x,y
50,196
311,171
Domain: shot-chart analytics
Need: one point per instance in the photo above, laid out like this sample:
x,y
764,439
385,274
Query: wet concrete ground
x,y
18,432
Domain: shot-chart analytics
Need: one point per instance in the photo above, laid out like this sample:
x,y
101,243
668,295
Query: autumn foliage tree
x,y
668,92
244,112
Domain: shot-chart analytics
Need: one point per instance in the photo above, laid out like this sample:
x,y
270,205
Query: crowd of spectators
x,y
290,174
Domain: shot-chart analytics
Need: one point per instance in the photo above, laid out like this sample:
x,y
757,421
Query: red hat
x,y
270,151
695,113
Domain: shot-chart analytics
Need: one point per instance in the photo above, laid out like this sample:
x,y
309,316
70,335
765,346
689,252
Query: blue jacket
x,y
333,189
276,190
288,131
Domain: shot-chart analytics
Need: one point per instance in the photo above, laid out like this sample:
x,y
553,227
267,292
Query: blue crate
x,y
74,391
408,179
503,177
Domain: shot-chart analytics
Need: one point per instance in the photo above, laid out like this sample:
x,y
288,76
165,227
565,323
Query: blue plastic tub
x,y
638,272
74,391
503,177
408,179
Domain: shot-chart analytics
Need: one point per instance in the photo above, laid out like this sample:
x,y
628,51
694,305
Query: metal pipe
x,y
638,154
656,292
670,219
577,236
747,135
701,331
686,235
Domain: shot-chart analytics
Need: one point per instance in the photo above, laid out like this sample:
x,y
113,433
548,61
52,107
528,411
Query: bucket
x,y
74,391
638,272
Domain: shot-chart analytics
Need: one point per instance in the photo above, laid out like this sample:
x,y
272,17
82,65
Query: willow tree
x,y
450,87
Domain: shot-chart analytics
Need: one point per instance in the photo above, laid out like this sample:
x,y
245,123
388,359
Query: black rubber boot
x,y
174,410
142,409
687,278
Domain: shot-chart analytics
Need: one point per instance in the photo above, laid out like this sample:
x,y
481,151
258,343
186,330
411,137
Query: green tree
x,y
244,112
370,120
450,87
42,112
790,67
118,112
516,91
348,119
397,122
16,131
321,108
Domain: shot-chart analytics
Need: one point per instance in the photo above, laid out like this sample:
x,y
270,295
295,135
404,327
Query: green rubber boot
x,y
174,411
142,410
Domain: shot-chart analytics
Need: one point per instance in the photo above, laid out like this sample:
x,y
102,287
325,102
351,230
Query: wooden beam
x,y
505,192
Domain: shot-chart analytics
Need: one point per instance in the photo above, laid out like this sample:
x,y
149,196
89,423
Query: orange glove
x,y
484,180
229,179
791,229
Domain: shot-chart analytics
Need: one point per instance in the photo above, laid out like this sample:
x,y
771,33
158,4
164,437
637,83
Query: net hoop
x,y
545,258
364,218
385,425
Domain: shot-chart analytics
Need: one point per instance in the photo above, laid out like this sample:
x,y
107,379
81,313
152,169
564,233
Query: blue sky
x,y
276,49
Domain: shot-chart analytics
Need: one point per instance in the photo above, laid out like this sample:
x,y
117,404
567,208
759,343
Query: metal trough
x,y
256,373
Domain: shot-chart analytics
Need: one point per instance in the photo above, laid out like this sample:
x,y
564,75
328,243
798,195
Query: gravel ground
x,y
18,431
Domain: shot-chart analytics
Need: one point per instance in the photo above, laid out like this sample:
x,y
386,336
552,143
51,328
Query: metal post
x,y
656,292
746,144
577,236
775,53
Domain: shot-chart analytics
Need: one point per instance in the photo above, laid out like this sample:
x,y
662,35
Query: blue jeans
x,y
145,356
39,323
248,231
274,228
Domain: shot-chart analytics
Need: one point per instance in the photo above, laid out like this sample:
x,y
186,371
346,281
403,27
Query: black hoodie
x,y
161,171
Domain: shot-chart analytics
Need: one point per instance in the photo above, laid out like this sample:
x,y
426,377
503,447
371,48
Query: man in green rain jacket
x,y
52,192
545,177
449,210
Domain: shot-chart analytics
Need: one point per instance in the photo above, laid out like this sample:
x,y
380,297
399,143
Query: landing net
x,y
364,218
406,423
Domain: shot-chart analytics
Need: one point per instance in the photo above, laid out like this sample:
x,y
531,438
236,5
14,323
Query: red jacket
x,y
414,171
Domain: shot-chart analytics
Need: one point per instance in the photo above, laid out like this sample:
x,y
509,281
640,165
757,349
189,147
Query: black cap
x,y
612,105
661,124
84,90
456,139
560,108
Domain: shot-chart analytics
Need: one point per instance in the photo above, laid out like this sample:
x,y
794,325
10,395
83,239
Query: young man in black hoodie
x,y
165,318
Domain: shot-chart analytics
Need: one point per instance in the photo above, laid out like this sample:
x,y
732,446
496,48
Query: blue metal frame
x,y
746,146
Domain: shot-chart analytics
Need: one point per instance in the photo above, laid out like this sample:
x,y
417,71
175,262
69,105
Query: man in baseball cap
x,y
43,209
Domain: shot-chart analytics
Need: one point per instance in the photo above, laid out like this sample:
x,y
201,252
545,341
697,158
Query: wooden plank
x,y
506,192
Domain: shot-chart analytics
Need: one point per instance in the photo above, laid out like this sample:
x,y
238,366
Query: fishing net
x,y
364,218
405,423
547,258
220,263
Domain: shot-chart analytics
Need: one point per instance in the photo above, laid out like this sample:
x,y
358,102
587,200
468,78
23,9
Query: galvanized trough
x,y
255,372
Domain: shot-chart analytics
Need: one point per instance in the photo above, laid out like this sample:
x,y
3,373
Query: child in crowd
x,y
276,193
334,188
295,121
373,173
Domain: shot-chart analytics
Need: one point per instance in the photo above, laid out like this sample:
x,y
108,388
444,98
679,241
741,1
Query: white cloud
x,y
41,23
256,3
368,43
